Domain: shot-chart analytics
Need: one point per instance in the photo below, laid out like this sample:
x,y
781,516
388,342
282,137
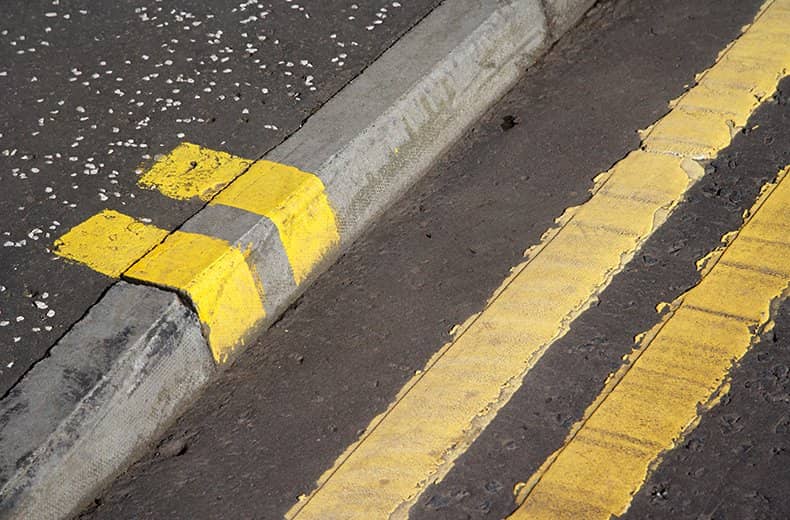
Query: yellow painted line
x,y
109,242
442,409
657,396
294,200
193,171
214,275
705,119
297,204
224,289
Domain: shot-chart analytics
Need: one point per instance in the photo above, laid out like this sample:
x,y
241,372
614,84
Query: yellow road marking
x,y
294,200
442,410
224,289
704,120
297,204
109,242
192,171
656,397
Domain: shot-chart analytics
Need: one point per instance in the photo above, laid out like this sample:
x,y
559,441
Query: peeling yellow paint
x,y
216,277
193,171
297,204
682,365
109,242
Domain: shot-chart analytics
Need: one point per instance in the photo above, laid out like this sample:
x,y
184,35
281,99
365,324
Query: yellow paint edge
x,y
108,242
507,388
296,202
217,279
192,171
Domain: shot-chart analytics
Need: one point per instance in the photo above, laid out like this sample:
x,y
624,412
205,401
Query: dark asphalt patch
x,y
279,417
92,93
572,372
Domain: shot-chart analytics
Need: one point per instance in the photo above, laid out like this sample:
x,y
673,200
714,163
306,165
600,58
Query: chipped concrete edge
x,y
110,386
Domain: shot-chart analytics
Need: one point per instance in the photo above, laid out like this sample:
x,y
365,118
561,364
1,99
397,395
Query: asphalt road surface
x,y
93,92
265,432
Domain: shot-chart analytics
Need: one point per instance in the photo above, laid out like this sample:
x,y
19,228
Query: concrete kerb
x,y
107,388
119,377
563,14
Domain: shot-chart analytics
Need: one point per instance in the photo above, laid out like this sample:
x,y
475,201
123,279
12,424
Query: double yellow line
x,y
443,409
678,367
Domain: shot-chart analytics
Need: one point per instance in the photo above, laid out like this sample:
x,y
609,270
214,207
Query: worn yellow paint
x,y
440,411
225,290
444,407
681,366
297,204
193,171
294,200
216,277
109,242
704,120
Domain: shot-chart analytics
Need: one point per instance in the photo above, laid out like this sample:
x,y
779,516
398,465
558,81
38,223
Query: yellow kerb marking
x,y
216,277
225,290
295,201
109,242
656,397
191,171
442,410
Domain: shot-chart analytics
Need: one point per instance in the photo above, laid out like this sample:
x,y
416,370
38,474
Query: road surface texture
x,y
92,94
319,380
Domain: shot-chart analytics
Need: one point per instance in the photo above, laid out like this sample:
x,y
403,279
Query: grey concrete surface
x,y
380,133
135,360
564,14
263,432
92,92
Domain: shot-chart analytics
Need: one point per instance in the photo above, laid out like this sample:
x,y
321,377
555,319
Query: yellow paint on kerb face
x,y
192,171
656,397
216,277
109,242
226,292
297,204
